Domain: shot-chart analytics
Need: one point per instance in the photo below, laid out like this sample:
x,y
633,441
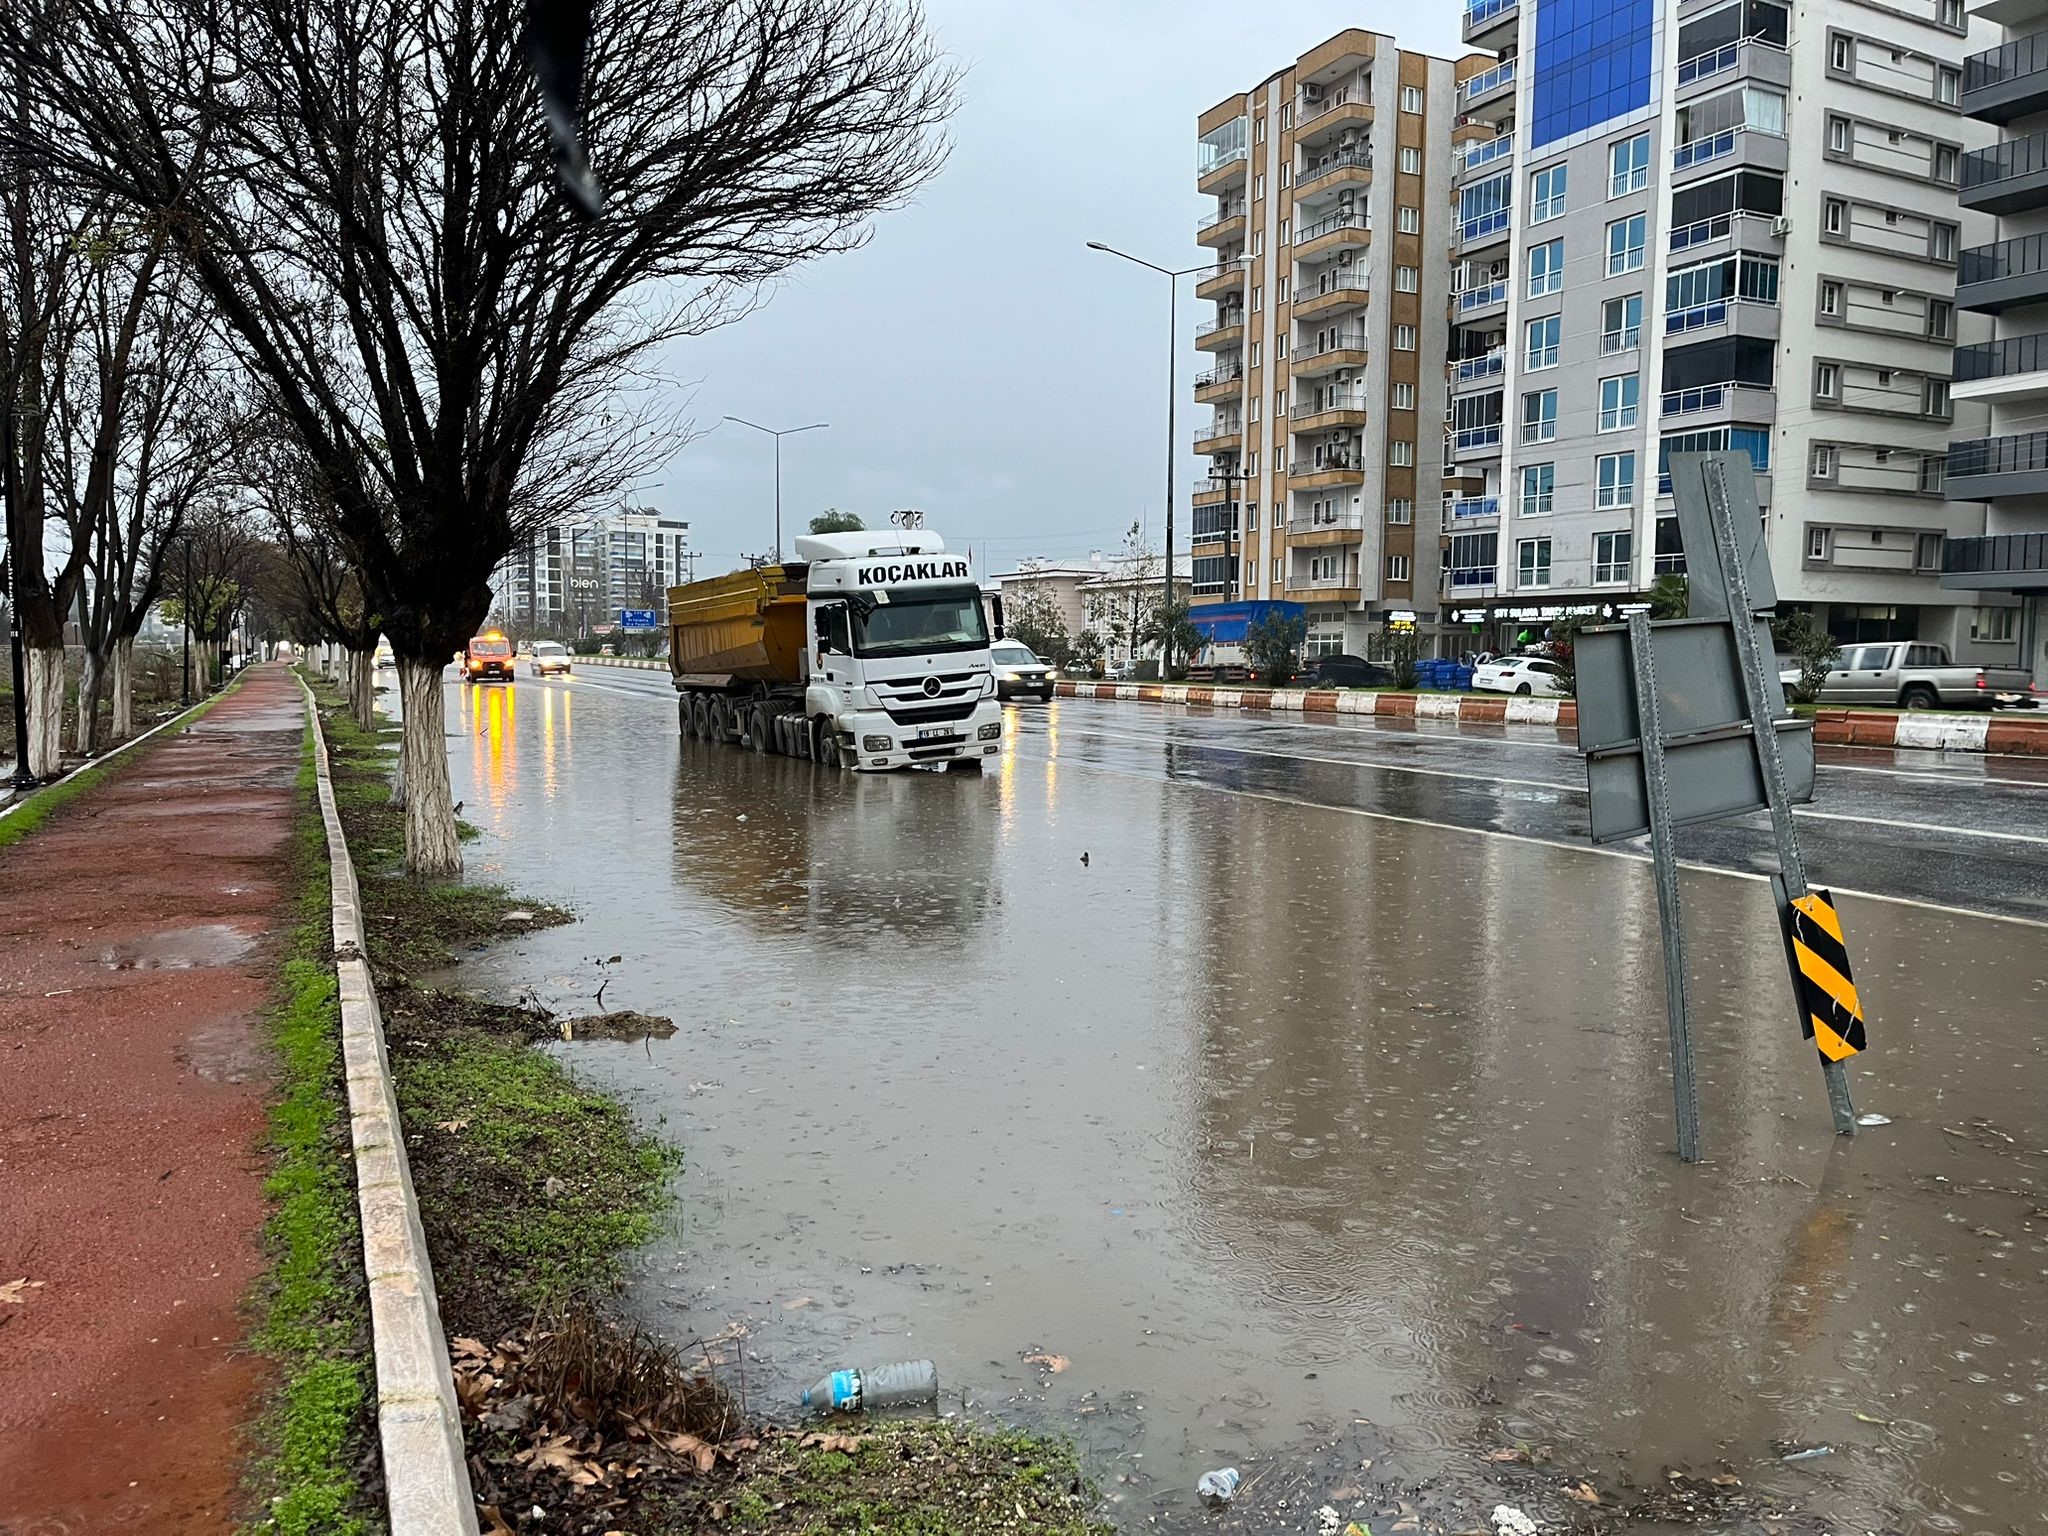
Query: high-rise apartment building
x,y
1325,385
577,576
2004,571
1708,224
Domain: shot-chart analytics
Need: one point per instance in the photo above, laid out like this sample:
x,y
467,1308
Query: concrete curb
x,y
419,1423
1903,731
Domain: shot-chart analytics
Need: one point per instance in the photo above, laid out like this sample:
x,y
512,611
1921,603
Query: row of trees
x,y
415,355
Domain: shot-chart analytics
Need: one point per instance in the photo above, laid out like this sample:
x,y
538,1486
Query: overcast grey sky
x,y
976,360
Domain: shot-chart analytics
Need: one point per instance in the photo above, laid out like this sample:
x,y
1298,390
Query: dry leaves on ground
x,y
1582,1493
11,1290
1053,1363
823,1442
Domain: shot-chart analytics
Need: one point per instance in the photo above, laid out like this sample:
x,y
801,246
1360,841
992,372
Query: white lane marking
x,y
1519,837
1917,826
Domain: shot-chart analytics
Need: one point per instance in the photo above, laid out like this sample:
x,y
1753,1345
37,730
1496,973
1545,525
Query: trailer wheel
x,y
685,724
720,716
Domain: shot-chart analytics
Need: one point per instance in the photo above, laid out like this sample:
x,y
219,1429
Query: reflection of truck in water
x,y
870,651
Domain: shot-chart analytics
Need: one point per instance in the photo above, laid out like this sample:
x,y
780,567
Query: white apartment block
x,y
578,576
1324,390
1709,224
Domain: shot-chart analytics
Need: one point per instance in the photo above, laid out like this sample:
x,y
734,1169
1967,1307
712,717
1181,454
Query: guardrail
x,y
2005,161
1475,506
1469,370
1484,297
1330,225
1492,80
1707,397
2001,359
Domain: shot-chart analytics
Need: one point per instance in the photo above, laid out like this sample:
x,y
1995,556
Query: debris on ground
x,y
625,1024
1220,1486
1510,1521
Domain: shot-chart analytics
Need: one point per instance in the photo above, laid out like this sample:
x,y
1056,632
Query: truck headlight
x,y
875,743
993,731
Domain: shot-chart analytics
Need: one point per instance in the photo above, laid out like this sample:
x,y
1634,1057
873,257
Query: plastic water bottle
x,y
1220,1486
885,1386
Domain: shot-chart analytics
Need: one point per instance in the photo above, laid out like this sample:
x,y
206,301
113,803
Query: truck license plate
x,y
933,733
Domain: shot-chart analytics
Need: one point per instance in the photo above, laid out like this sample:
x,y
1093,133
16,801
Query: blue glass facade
x,y
1595,62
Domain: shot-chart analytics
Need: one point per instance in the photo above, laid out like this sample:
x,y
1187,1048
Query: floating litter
x,y
1873,1119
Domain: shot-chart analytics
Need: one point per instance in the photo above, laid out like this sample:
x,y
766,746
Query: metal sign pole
x,y
1664,855
1750,656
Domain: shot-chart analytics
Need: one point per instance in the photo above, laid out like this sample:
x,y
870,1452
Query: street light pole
x,y
1172,413
778,435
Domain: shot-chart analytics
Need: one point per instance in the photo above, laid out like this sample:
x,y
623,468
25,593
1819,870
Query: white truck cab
x,y
896,650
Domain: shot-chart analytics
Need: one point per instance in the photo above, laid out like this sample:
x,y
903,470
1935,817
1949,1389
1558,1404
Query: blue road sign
x,y
639,618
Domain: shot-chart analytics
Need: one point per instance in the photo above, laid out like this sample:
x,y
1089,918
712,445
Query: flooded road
x,y
1302,1133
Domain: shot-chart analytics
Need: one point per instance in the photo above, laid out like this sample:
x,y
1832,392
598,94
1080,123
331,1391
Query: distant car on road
x,y
607,650
1019,671
1518,674
1345,672
549,656
489,656
1919,675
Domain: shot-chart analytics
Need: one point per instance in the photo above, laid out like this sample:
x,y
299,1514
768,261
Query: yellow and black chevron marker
x,y
1829,1009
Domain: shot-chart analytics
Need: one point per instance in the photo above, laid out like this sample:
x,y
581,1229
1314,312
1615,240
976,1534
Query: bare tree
x,y
312,585
217,561
359,186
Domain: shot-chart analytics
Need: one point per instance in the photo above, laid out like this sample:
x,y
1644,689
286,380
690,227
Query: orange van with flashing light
x,y
489,656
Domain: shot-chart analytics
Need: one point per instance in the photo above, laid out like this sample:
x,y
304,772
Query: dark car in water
x,y
1344,672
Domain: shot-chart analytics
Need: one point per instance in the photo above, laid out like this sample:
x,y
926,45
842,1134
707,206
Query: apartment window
x,y
1401,455
1277,567
1286,116
1401,511
1279,458
1942,242
1539,489
1280,345
1404,338
1927,552
1259,127
1948,86
1945,164
1625,241
1408,220
1255,410
1258,298
1397,567
1539,417
1827,381
1258,242
1613,553
1543,337
1257,358
1941,320
1823,461
1404,397
1546,268
1628,166
1952,13
1411,160
1621,325
1934,398
1406,279
1842,53
1933,472
1286,176
1251,517
1838,133
1614,481
1279,403
1834,216
1620,402
1259,186
1547,194
1831,300
1994,626
1285,239
1532,563
1411,98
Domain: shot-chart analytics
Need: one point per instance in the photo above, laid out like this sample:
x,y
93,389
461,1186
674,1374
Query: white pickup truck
x,y
1918,675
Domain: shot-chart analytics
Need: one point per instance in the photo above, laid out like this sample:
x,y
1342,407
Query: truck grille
x,y
931,714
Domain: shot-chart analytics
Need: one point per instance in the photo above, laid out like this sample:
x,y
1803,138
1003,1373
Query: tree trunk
x,y
431,845
46,711
124,688
362,688
89,704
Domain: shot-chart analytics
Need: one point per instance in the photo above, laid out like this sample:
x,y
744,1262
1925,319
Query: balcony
x,y
1220,334
1223,383
1315,121
1321,474
1224,170
1462,443
2006,177
1342,347
1466,371
1990,467
1215,491
1733,400
1478,303
1325,528
1485,231
1344,289
1477,154
1489,97
1218,526
1220,437
1746,317
1341,168
1326,236
1467,508
1337,408
1327,589
1223,227
1492,24
1745,58
1224,277
1470,578
1994,278
1999,562
2001,85
2013,369
1758,233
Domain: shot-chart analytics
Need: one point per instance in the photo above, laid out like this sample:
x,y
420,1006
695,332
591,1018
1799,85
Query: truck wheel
x,y
720,716
700,718
1919,696
824,744
759,729
686,726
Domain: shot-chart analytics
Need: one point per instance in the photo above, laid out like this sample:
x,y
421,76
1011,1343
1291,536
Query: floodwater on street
x,y
1302,1135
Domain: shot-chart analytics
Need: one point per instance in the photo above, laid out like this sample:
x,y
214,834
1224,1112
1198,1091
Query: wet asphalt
x,y
1322,1116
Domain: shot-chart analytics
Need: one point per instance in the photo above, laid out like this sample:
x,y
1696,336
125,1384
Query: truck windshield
x,y
910,621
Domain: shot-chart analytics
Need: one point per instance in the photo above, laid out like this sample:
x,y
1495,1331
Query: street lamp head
x,y
1097,245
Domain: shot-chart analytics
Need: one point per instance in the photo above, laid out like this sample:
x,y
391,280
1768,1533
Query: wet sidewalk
x,y
137,934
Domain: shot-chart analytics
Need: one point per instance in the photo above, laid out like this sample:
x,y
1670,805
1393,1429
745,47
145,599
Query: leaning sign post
x,y
1681,722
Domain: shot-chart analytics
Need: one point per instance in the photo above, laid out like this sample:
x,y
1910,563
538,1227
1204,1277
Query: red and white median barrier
x,y
2025,734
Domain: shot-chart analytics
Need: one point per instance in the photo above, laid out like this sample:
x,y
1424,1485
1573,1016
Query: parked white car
x,y
1517,674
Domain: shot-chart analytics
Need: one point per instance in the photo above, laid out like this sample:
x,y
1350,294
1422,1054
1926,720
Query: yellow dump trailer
x,y
747,627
